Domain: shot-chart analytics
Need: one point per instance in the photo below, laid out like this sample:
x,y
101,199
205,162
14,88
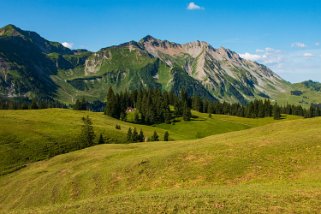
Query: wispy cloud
x,y
194,6
308,54
67,44
267,56
295,65
317,44
298,45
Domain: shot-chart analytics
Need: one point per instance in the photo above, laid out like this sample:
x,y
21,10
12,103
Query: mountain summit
x,y
52,70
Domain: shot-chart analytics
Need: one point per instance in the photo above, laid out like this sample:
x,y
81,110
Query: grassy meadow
x,y
274,168
31,135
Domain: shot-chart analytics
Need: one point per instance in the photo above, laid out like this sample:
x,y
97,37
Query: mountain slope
x,y
24,69
253,170
222,72
60,73
28,62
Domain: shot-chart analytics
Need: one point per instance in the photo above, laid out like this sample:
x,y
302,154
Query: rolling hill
x,y
50,70
269,169
31,135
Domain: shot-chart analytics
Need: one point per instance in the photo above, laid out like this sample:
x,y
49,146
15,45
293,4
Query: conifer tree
x,y
186,113
110,102
87,135
136,117
154,137
135,136
101,139
129,135
166,136
276,112
34,105
141,136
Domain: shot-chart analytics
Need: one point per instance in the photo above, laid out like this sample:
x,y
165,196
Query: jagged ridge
x,y
197,67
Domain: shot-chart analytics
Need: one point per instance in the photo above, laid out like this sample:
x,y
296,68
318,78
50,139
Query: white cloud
x,y
298,45
295,65
67,44
193,6
308,55
317,44
252,57
267,56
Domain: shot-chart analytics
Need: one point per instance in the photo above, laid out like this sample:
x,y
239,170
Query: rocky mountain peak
x,y
197,43
228,54
148,41
10,30
147,38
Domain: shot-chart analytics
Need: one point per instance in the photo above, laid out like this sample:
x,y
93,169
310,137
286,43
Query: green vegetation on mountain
x,y
50,70
268,169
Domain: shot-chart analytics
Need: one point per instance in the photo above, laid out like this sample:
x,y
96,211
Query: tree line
x,y
25,103
152,106
149,106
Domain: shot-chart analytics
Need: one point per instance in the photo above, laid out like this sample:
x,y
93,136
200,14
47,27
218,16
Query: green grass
x,y
31,135
308,97
274,168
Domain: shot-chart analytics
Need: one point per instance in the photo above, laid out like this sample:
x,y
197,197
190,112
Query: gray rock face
x,y
221,71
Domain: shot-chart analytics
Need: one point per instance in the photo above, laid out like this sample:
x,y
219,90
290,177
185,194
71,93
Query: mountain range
x,y
33,66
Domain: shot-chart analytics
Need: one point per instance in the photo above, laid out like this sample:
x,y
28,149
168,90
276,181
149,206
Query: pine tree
x,y
135,136
141,136
168,116
276,112
154,137
110,102
136,117
87,135
186,113
129,135
166,136
34,105
101,139
122,116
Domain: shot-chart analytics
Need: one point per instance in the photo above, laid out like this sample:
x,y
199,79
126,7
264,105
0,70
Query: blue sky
x,y
283,34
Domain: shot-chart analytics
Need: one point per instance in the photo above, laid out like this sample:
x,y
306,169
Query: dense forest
x,y
152,106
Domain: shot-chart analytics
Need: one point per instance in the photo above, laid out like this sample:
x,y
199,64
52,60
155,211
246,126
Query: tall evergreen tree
x,y
135,136
34,105
129,135
166,136
101,139
276,112
154,137
110,102
87,135
187,114
141,136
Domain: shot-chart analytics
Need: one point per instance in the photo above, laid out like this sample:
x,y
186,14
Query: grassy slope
x,y
273,168
308,97
27,136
